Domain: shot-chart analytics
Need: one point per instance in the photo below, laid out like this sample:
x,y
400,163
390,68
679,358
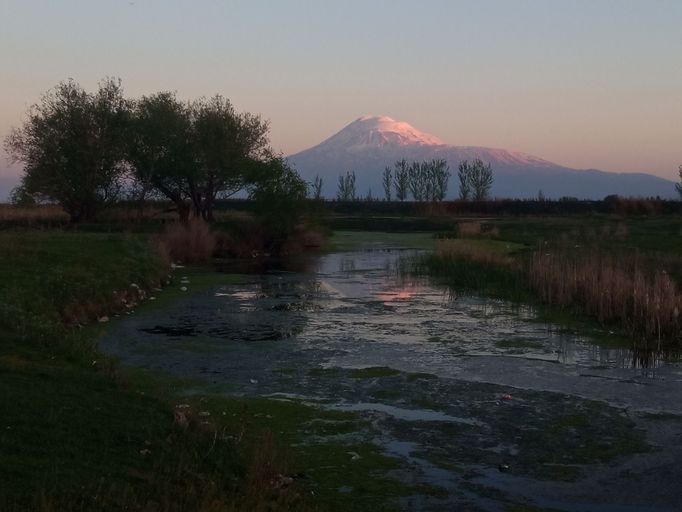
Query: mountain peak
x,y
371,143
377,132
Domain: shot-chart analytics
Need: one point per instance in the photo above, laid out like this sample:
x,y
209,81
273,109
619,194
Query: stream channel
x,y
478,399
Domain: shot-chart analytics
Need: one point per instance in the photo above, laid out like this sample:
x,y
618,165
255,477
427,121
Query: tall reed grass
x,y
189,243
645,303
481,266
639,294
32,215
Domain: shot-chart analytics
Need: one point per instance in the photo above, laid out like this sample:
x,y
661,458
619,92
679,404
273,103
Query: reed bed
x,y
192,242
638,294
454,250
476,229
645,302
467,229
481,266
30,215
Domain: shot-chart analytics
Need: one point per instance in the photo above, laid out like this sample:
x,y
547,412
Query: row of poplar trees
x,y
424,181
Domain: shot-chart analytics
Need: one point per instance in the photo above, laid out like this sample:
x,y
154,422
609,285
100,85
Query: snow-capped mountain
x,y
369,144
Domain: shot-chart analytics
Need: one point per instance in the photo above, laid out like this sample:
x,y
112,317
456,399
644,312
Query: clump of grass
x,y
469,229
304,238
192,242
487,252
481,266
616,291
476,229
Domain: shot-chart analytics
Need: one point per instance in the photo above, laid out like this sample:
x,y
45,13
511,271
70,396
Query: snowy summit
x,y
378,131
371,143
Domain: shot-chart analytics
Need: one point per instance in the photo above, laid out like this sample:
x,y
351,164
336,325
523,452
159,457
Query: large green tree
x,y
160,149
678,186
226,143
72,147
278,194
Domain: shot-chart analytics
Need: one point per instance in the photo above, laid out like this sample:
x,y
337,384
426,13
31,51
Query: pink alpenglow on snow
x,y
371,143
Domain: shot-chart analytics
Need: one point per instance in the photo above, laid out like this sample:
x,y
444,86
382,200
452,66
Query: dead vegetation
x,y
191,242
645,302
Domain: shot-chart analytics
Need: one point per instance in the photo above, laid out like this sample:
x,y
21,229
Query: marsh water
x,y
479,399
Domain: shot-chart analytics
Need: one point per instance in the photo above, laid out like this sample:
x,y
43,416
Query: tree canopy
x,y
72,145
227,144
81,150
160,148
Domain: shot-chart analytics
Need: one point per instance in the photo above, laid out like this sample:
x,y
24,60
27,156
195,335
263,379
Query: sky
x,y
583,83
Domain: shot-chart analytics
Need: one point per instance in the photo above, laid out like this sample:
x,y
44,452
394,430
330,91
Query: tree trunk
x,y
183,211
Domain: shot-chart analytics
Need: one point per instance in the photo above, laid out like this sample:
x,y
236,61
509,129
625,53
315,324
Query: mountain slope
x,y
370,143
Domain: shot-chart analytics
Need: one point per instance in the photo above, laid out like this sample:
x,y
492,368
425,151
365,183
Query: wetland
x,y
394,392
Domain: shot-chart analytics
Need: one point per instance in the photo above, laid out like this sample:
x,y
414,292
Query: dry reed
x,y
647,305
453,249
189,243
471,228
29,215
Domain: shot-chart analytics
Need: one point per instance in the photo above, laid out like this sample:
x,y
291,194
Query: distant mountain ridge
x,y
370,143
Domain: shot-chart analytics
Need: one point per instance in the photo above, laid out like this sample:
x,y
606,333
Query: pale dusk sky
x,y
583,83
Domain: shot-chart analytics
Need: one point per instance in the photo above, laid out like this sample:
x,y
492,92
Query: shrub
x,y
192,242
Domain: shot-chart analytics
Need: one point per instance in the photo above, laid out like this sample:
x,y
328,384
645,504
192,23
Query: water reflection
x,y
361,309
370,293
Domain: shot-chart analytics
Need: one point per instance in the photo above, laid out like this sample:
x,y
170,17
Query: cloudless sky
x,y
583,83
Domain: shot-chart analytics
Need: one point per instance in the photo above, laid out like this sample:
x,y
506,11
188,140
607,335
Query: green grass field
x,y
78,432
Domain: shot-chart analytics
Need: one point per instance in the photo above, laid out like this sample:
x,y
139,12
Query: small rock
x,y
152,298
103,319
183,288
354,455
253,381
504,468
144,452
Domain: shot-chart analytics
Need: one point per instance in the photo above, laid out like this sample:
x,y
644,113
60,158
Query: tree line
x,y
87,150
423,181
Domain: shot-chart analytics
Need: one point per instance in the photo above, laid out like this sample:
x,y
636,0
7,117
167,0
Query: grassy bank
x,y
78,432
